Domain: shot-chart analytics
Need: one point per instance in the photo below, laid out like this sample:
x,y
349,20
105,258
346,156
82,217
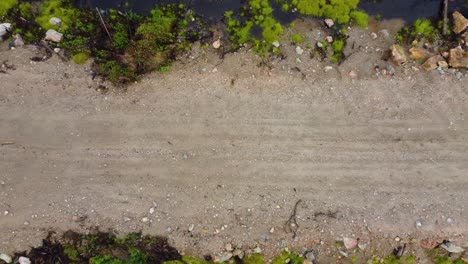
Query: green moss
x,y
80,58
118,73
254,259
120,37
296,38
57,8
424,27
71,253
6,5
338,10
105,259
360,18
292,257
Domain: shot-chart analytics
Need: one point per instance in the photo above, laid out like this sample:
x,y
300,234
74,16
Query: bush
x,y
6,5
62,9
360,18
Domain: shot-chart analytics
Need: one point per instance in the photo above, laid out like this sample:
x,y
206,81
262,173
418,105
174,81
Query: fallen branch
x,y
45,45
291,226
103,23
7,143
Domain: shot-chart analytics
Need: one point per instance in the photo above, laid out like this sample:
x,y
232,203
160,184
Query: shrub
x,y
120,36
360,18
57,8
296,38
80,58
424,28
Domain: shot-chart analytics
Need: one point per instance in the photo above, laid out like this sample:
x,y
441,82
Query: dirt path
x,y
367,157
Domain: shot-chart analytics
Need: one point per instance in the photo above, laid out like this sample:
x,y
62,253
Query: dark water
x,y
409,10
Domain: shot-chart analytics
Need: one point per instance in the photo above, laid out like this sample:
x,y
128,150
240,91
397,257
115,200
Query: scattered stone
x,y
145,219
397,239
390,69
445,54
258,250
310,256
55,21
306,261
398,54
450,220
228,247
342,253
319,44
417,53
299,50
352,74
224,257
459,75
6,212
191,227
215,70
217,44
373,35
350,243
362,246
24,260
17,41
328,68
329,39
5,258
450,247
329,22
272,230
384,33
460,22
26,223
151,210
185,156
57,50
458,58
276,43
264,237
127,219
429,244
238,253
4,29
418,224
432,62
54,36
443,64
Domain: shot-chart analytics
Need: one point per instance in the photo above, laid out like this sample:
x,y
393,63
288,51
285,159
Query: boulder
x,y
54,36
398,54
55,21
417,53
4,29
458,58
432,63
460,23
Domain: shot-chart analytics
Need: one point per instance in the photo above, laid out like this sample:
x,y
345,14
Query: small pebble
x,y
145,219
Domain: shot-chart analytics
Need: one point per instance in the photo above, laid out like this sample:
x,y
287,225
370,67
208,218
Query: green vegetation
x,y
420,29
360,18
6,5
338,47
57,8
80,58
296,39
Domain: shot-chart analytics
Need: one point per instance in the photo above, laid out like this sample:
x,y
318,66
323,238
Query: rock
x,y
319,44
217,44
272,230
24,260
57,50
224,257
329,39
432,62
258,250
54,36
445,54
373,35
450,220
362,246
310,256
127,219
55,21
460,23
443,64
228,247
191,227
458,58
237,252
418,224
17,41
450,247
417,53
276,43
398,54
352,74
185,156
151,210
327,68
5,258
390,69
329,22
299,50
4,29
6,212
350,243
384,33
145,219
397,239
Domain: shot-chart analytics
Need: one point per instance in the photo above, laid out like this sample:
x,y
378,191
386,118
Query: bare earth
x,y
367,157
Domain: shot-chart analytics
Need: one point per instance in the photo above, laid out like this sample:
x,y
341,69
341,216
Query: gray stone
x,y
4,29
384,33
299,50
185,156
258,250
310,256
350,243
225,257
329,22
5,258
276,43
24,260
373,35
17,41
450,247
55,21
54,36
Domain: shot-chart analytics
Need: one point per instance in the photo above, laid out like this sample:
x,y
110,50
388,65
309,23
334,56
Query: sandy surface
x,y
368,157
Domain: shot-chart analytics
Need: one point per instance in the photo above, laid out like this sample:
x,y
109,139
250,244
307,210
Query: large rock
x,y
398,54
417,53
458,58
460,23
432,63
4,29
54,36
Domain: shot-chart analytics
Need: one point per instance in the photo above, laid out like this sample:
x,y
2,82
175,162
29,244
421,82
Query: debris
x,y
258,250
417,53
54,36
397,239
55,21
350,243
238,253
432,62
5,258
450,220
329,22
57,50
151,210
398,54
450,247
327,68
342,253
319,44
458,58
460,22
6,212
443,64
24,260
272,230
